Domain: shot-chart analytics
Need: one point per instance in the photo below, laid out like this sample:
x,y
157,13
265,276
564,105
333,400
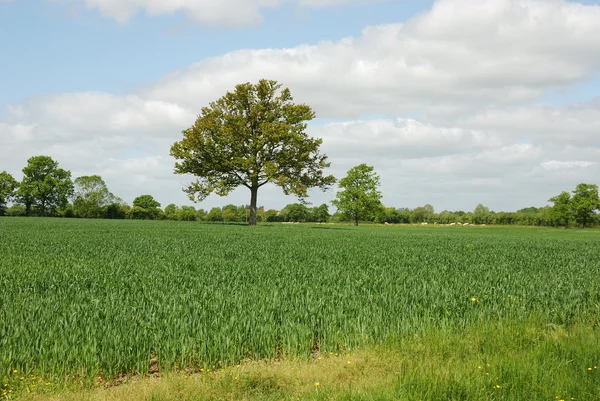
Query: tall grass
x,y
82,299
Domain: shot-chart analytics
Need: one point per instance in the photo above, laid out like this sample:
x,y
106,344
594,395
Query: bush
x,y
16,210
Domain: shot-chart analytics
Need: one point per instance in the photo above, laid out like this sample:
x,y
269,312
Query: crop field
x,y
81,299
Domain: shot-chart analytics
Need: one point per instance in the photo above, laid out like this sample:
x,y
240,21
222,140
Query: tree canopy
x,y
146,202
585,202
8,186
145,207
91,195
561,211
45,186
360,194
250,137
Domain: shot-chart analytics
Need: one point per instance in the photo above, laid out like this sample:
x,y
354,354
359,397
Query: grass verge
x,y
503,361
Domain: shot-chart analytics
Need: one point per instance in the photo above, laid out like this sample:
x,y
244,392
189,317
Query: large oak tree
x,y
250,137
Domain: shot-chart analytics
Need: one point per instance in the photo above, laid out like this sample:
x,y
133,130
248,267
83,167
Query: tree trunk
x,y
356,219
253,198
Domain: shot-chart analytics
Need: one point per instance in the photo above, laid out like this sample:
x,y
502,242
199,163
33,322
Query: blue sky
x,y
52,49
497,97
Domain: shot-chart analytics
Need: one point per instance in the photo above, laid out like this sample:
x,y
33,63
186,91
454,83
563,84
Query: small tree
x,y
585,202
250,137
271,215
229,213
188,213
91,196
480,214
321,213
146,202
561,211
45,186
215,214
297,212
421,213
360,196
8,187
145,207
115,211
172,212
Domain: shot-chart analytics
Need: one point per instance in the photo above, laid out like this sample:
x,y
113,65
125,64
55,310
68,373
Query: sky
x,y
453,102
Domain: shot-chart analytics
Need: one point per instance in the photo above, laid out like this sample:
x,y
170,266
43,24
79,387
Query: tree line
x,y
251,137
47,190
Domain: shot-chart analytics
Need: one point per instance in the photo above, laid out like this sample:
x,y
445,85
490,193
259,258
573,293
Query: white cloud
x,y
576,124
470,70
401,139
461,55
558,165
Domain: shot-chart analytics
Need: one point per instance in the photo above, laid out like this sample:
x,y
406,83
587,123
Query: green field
x,y
81,299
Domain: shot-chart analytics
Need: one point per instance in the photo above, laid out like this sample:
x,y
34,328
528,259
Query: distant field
x,y
81,298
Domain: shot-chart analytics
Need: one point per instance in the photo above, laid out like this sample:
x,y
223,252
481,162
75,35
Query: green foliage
x,y
8,187
321,213
146,202
214,215
45,186
145,207
421,214
481,214
585,203
17,210
187,213
297,212
562,210
172,212
91,196
392,215
229,213
359,197
192,295
272,216
250,137
67,211
480,209
115,211
140,213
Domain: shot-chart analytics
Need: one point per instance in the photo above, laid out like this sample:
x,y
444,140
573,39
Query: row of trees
x,y
580,208
46,190
360,199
